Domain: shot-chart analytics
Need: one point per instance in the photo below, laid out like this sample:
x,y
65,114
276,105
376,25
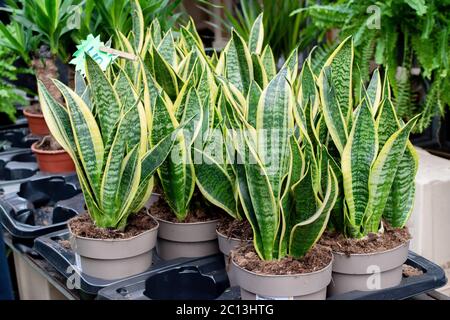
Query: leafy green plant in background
x,y
105,132
407,34
283,32
370,144
107,17
19,40
9,96
51,19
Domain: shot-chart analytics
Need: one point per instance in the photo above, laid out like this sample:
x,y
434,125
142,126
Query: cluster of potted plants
x,y
324,182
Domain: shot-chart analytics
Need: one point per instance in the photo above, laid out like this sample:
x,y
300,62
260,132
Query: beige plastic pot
x,y
307,286
367,272
189,240
112,259
226,245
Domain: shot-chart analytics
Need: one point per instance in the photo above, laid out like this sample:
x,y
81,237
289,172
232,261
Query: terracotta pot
x,y
36,123
112,259
305,286
226,245
367,272
55,161
188,240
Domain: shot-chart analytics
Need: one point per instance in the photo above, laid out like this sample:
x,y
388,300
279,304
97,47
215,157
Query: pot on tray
x,y
189,240
112,259
54,161
36,123
305,286
368,271
226,245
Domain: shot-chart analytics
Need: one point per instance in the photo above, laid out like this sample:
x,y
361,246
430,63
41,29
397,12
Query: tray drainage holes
x,y
182,284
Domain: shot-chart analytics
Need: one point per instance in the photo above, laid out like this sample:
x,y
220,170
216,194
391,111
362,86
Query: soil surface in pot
x,y
138,223
161,210
374,242
316,259
232,228
49,143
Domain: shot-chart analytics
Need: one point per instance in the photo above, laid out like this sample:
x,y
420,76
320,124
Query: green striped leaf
x,y
308,84
57,120
269,63
259,73
382,175
238,65
292,63
149,164
253,97
176,174
107,103
165,75
304,198
112,172
193,108
341,64
273,124
87,136
401,198
306,233
374,91
167,49
387,122
334,118
215,184
138,25
257,35
264,204
357,159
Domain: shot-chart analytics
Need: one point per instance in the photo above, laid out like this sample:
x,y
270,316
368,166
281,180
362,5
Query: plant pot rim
x,y
231,238
372,253
113,240
48,152
329,265
31,114
186,223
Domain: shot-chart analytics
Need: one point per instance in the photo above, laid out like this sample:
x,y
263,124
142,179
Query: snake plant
x,y
287,211
370,144
105,131
269,150
177,80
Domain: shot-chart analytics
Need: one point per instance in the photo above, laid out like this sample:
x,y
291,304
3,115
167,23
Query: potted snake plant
x,y
278,178
177,81
378,165
105,131
233,229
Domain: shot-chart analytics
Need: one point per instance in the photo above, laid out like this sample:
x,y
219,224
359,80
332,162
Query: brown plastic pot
x,y
367,272
305,286
36,123
188,240
55,161
112,259
226,245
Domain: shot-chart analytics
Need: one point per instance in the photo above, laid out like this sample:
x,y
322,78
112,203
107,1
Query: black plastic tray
x,y
19,210
17,162
53,248
173,279
16,138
